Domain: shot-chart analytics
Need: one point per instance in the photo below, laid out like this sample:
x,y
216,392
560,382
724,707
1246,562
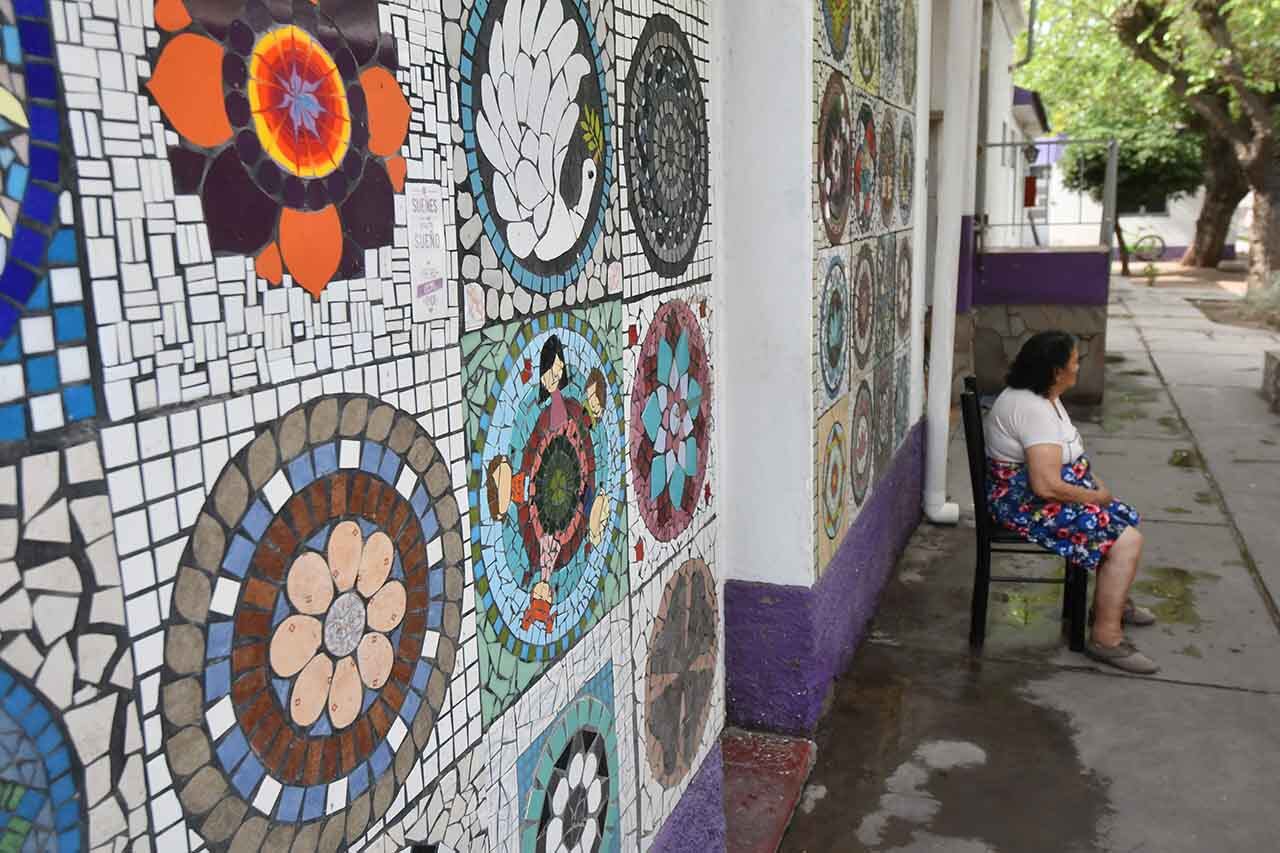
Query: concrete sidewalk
x,y
1031,747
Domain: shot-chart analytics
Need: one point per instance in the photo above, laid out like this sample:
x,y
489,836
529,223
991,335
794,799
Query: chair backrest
x,y
976,445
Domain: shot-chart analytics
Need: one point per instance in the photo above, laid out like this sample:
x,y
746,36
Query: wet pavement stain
x,y
1024,608
1174,591
920,747
1204,498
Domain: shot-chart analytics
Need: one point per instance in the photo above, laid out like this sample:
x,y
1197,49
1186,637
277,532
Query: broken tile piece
x,y
39,482
52,525
94,652
57,674
93,517
60,575
55,615
83,463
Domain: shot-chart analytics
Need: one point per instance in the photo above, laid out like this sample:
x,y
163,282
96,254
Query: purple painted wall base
x,y
1054,276
697,822
785,645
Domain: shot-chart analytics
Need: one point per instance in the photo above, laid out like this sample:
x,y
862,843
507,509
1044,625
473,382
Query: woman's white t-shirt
x,y
1020,418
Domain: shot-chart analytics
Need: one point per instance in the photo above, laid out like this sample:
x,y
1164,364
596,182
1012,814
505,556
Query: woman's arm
x,y
1044,468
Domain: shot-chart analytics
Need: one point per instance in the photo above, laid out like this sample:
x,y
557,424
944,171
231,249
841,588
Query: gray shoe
x,y
1123,655
1134,615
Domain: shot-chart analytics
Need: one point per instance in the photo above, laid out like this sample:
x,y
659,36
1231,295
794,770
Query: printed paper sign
x,y
428,266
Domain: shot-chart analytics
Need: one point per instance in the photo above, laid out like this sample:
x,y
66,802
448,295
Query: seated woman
x,y
1041,487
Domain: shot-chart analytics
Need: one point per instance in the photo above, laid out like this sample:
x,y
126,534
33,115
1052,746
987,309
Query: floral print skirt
x,y
1082,533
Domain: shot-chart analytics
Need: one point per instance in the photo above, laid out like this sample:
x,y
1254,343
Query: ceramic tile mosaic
x,y
291,556
664,181
202,230
677,634
833,456
668,358
833,337
536,198
546,427
864,172
44,325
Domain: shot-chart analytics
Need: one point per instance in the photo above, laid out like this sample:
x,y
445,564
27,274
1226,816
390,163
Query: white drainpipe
x,y
920,230
957,158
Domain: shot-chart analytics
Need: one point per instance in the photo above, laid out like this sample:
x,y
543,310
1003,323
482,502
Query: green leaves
x,y
592,133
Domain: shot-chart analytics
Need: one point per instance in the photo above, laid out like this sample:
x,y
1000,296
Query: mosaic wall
x,y
357,408
864,175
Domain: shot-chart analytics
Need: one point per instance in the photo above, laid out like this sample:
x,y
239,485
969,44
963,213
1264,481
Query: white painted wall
x,y
764,282
1177,226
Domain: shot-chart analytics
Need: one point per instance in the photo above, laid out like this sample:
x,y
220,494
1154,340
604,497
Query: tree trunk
x,y
1264,235
1224,187
1124,249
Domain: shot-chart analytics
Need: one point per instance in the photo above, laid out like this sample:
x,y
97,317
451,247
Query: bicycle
x,y
1149,247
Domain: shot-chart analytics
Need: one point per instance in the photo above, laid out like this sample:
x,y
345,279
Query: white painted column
x,y
764,290
954,174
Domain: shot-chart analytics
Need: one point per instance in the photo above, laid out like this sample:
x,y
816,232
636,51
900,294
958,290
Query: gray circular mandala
x,y
666,147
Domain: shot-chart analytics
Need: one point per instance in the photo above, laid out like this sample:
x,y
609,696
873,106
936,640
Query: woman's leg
x,y
1115,576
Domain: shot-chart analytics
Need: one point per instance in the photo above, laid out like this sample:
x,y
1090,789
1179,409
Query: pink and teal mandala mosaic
x,y
671,421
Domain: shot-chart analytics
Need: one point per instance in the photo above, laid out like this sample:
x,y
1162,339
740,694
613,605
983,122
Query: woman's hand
x,y
1103,494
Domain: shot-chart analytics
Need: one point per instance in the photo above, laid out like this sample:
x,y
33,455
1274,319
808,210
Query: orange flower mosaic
x,y
291,128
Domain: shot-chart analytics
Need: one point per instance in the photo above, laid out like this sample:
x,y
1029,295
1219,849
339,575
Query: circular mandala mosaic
x,y
666,147
298,680
902,304
862,450
882,435
888,170
41,805
681,674
910,33
833,326
906,170
835,166
670,421
835,462
863,316
901,398
890,46
547,487
866,193
886,297
866,40
573,800
541,177
836,17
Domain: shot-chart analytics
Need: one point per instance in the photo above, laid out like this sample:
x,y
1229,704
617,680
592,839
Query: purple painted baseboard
x,y
785,645
697,821
1044,277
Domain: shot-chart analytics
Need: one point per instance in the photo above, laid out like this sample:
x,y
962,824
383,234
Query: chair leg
x,y
981,589
1079,607
1068,584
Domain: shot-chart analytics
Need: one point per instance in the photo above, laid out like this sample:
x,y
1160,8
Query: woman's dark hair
x,y
1040,356
551,350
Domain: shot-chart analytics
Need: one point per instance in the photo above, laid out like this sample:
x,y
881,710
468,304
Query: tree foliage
x,y
1095,89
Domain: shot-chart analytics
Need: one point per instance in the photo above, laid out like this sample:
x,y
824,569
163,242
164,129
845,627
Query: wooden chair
x,y
1075,580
